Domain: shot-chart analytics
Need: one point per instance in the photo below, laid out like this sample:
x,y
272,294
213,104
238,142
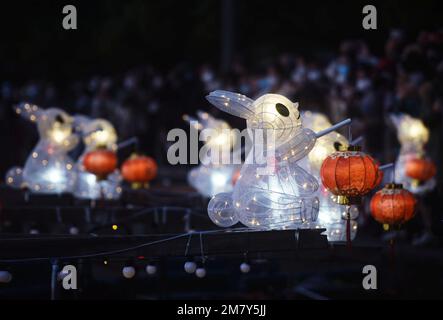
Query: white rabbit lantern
x,y
209,178
284,197
48,168
96,133
331,215
413,136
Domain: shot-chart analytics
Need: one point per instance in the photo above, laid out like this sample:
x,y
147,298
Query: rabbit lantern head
x,y
283,197
48,169
212,178
55,126
97,133
270,111
411,132
215,132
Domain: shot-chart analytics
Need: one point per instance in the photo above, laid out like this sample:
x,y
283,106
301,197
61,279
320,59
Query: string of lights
x,y
119,251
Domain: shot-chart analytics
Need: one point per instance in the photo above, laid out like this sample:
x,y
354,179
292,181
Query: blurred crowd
x,y
351,82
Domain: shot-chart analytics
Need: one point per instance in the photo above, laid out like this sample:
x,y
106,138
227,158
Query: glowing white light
x,y
219,179
58,136
91,179
55,175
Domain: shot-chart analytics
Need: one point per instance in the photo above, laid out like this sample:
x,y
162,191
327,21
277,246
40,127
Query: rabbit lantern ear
x,y
233,103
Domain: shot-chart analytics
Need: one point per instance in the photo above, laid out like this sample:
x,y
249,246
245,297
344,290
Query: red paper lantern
x,y
100,162
139,170
349,174
393,205
420,169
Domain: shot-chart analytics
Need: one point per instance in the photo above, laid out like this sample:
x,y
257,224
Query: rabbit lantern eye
x,y
282,110
337,145
59,119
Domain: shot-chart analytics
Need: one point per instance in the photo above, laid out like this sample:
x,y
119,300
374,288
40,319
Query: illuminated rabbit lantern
x,y
210,178
413,136
331,214
96,133
48,168
280,198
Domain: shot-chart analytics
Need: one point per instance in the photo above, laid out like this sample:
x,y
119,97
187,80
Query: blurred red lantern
x,y
235,176
100,162
393,205
349,174
420,169
139,170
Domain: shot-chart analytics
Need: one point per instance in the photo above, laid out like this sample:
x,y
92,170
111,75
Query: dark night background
x,y
114,35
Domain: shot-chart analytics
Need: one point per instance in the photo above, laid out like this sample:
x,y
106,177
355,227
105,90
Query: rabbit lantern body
x,y
48,169
283,197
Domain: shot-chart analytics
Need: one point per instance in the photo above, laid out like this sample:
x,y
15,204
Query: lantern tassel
x,y
102,195
391,249
348,227
392,254
333,128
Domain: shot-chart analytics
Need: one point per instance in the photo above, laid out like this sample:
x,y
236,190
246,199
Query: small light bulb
x,y
245,267
200,272
151,269
73,230
128,272
190,267
5,277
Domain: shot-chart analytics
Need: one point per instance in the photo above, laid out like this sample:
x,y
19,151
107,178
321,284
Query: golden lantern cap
x,y
393,186
349,148
347,201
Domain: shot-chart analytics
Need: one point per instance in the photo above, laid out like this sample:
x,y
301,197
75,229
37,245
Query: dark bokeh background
x,y
116,35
